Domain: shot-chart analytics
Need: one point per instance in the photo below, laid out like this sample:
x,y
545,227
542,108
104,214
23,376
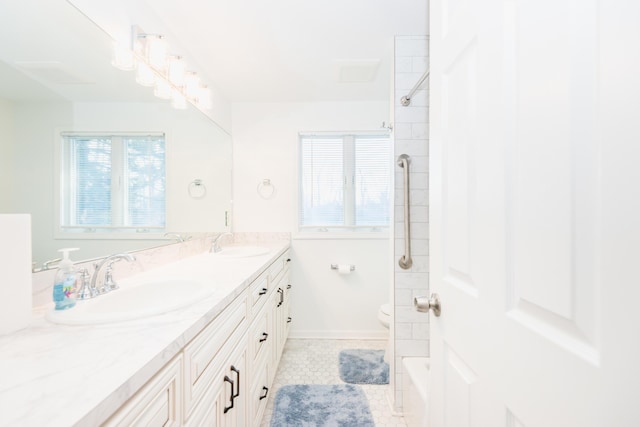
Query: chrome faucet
x,y
176,236
215,245
108,284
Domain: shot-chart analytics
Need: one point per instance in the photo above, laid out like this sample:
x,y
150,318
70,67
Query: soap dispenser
x,y
64,285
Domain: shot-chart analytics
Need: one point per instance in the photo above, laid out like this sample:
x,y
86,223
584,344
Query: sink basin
x,y
242,251
134,301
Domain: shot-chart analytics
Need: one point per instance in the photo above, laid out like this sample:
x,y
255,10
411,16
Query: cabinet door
x,y
207,412
232,410
155,404
259,392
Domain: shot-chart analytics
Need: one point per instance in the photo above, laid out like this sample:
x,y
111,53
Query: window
x,y
112,183
345,182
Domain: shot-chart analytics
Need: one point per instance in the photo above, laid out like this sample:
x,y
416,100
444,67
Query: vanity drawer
x,y
259,293
279,266
204,355
260,337
157,403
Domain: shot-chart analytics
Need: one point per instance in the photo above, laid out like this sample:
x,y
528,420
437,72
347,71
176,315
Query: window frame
x,y
346,231
63,232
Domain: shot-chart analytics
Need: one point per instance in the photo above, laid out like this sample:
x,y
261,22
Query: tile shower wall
x,y
411,132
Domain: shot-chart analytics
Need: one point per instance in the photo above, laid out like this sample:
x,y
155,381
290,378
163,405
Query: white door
x,y
535,213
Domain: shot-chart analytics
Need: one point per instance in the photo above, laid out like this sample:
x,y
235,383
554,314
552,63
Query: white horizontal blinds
x,y
345,182
89,181
113,183
322,181
145,181
372,180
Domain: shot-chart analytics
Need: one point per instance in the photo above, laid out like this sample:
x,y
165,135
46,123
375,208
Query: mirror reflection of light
x,y
123,57
178,100
145,75
162,89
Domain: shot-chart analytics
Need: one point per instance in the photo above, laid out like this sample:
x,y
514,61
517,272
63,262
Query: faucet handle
x,y
86,291
102,289
108,278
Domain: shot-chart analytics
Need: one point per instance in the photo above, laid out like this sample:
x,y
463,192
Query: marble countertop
x,y
57,375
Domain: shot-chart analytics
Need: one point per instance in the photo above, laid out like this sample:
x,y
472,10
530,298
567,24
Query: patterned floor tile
x,y
316,362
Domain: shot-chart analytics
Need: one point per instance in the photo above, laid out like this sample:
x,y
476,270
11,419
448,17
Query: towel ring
x,y
266,189
197,189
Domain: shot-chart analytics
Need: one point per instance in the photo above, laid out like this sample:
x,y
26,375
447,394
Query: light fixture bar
x,y
148,55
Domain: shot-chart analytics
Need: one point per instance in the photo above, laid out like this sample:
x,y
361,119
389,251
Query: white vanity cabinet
x,y
266,338
281,314
158,403
222,376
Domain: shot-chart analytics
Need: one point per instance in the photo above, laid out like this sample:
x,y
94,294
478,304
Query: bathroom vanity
x,y
210,363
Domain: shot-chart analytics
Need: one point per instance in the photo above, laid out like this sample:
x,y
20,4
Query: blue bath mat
x,y
311,405
363,367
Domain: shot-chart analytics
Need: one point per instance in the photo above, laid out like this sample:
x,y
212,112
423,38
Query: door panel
x,y
534,208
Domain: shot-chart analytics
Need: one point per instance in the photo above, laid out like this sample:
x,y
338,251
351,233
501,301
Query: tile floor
x,y
316,362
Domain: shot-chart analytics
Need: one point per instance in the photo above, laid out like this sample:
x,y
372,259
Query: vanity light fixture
x,y
148,55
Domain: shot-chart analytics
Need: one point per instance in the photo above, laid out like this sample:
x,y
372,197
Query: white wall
x,y
6,154
324,303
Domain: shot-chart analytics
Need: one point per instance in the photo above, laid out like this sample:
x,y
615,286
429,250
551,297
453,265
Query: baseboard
x,y
339,335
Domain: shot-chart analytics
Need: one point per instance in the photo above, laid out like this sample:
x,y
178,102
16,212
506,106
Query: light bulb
x,y
156,51
204,98
123,58
162,89
178,101
145,75
191,84
176,70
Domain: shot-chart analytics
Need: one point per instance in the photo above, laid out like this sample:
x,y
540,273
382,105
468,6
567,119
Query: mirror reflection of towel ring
x,y
266,189
197,189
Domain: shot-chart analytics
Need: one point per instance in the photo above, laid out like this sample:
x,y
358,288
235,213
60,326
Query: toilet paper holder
x,y
335,267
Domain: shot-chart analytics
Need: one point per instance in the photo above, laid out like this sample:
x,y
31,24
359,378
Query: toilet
x,y
384,315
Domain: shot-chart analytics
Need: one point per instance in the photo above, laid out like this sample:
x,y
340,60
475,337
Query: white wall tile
x,y
412,138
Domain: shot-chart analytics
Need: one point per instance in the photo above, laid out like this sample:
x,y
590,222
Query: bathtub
x,y
415,378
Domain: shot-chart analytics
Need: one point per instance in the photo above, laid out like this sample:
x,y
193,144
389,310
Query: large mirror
x,y
56,78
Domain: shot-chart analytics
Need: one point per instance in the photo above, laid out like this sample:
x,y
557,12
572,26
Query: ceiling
x,y
294,50
250,50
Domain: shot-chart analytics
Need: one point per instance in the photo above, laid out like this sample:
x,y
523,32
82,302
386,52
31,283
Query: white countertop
x,y
57,375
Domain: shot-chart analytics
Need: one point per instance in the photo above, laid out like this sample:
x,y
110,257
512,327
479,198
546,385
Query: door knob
x,y
423,304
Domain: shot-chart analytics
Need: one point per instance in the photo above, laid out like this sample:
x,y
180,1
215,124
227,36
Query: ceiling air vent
x,y
356,70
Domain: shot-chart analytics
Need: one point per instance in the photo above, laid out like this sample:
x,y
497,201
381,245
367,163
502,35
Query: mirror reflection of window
x,y
113,183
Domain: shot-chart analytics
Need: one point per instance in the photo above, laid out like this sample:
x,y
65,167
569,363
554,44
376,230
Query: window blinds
x,y
344,181
113,183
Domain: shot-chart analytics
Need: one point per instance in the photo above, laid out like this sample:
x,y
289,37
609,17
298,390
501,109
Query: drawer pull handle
x,y
266,392
281,292
289,286
264,337
263,291
288,319
288,259
233,368
230,381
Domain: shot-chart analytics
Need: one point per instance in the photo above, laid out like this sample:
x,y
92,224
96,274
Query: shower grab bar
x,y
406,100
405,261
